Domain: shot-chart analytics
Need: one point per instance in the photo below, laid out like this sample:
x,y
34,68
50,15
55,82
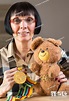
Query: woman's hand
x,y
61,77
8,81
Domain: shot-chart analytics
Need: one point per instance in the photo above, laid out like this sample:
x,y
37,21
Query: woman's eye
x,y
30,20
17,20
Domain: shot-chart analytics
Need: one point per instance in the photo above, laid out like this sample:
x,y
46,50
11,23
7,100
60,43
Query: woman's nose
x,y
23,24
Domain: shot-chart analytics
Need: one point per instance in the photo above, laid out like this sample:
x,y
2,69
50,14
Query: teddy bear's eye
x,y
40,49
46,48
50,66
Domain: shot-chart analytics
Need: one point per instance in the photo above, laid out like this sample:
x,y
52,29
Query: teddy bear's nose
x,y
42,51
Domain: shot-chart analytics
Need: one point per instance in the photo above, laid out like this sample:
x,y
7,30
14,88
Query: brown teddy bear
x,y
47,53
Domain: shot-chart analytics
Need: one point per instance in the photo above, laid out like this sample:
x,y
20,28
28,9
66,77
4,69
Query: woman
x,y
22,21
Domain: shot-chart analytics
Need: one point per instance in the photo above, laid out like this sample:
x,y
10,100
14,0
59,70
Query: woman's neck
x,y
22,48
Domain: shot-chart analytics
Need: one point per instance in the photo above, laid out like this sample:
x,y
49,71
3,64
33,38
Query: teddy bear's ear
x,y
55,42
36,42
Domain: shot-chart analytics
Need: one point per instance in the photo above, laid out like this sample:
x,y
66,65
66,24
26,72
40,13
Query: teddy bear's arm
x,y
54,71
34,67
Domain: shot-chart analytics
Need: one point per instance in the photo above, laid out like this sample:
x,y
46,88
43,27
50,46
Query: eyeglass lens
x,y
28,20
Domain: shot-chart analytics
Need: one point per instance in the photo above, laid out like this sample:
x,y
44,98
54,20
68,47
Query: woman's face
x,y
23,27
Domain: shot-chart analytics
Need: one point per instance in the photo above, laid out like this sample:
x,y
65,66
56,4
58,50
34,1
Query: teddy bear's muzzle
x,y
44,55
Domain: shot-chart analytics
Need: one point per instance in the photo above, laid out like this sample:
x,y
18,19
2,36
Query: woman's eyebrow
x,y
18,13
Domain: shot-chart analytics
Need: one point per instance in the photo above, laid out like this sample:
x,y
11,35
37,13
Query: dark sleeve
x,y
1,71
64,63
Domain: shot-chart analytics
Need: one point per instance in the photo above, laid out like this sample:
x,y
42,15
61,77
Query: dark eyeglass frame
x,y
29,20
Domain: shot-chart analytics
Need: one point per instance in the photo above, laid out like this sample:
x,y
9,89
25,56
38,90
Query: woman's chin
x,y
23,39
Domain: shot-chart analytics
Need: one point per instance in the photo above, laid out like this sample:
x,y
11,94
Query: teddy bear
x,y
47,53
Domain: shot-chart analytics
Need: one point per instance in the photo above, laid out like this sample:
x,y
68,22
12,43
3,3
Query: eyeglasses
x,y
28,20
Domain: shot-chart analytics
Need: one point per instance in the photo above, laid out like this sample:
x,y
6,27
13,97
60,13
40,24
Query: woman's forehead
x,y
17,15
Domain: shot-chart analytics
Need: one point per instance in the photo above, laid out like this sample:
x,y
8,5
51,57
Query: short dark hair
x,y
27,9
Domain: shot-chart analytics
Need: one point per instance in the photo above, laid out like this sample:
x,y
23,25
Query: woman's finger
x,y
63,80
61,77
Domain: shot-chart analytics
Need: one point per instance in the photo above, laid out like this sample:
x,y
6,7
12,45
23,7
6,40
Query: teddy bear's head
x,y
46,50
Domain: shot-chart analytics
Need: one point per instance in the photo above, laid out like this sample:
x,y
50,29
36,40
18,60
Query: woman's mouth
x,y
23,34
